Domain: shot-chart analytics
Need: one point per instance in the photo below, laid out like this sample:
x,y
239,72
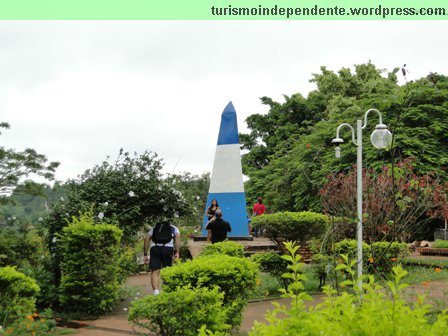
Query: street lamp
x,y
380,138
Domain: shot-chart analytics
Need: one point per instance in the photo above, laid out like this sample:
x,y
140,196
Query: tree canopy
x,y
289,148
16,166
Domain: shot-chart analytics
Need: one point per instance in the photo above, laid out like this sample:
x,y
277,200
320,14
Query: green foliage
x,y
130,192
273,264
15,167
349,247
19,248
382,311
181,312
194,190
227,247
289,166
33,324
440,243
295,226
234,276
324,268
30,209
128,261
90,265
267,287
17,295
377,257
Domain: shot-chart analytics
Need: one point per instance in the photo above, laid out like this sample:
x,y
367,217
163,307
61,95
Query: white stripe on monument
x,y
227,171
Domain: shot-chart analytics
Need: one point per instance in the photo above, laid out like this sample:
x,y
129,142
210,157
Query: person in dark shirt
x,y
217,228
212,209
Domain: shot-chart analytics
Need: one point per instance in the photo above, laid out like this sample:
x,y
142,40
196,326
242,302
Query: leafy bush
x,y
382,311
49,292
379,256
90,265
294,226
17,295
440,243
19,248
33,324
235,277
350,247
324,266
387,251
128,261
181,312
273,264
225,247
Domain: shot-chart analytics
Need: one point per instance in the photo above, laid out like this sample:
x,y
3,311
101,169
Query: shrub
x,y
18,248
33,324
382,311
324,267
294,226
273,264
235,277
17,295
440,243
379,256
90,265
226,247
181,312
128,261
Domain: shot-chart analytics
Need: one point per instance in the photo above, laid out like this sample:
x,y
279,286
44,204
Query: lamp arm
x,y
366,115
351,128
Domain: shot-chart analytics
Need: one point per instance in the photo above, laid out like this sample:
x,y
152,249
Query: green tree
x,y
16,166
296,168
132,191
194,189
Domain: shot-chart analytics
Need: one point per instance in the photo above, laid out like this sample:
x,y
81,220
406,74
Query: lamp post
x,y
380,138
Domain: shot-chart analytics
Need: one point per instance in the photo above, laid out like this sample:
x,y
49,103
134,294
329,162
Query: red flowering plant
x,y
396,205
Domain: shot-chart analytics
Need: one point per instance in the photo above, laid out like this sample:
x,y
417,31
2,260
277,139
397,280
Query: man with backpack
x,y
165,246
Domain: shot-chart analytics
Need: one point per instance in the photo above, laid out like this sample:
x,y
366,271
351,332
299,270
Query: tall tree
x,y
296,168
16,166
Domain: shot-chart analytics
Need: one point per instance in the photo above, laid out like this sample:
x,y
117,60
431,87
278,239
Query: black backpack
x,y
162,233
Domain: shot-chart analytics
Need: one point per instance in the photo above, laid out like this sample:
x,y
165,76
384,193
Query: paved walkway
x,y
116,322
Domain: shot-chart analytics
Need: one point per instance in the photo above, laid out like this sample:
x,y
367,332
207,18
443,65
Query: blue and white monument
x,y
226,183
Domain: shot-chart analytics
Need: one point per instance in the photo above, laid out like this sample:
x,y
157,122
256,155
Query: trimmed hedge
x,y
226,247
17,295
292,226
440,243
90,266
180,313
235,277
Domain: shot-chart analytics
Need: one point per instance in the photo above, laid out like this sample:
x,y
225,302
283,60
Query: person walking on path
x,y
164,241
259,209
217,228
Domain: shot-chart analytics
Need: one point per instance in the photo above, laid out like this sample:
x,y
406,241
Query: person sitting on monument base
x,y
217,228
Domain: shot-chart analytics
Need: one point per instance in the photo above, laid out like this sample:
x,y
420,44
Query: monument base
x,y
203,238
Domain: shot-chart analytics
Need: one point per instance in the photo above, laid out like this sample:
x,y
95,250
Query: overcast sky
x,y
78,91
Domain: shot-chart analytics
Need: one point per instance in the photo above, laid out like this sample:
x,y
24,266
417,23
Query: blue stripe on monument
x,y
228,131
233,207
